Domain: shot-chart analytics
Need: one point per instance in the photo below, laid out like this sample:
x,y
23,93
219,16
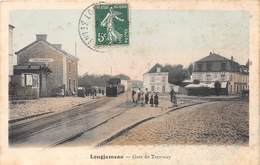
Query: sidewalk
x,y
25,108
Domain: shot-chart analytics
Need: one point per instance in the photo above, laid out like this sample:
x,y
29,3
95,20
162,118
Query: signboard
x,y
44,60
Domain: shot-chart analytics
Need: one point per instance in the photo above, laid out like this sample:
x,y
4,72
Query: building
x,y
57,69
156,80
232,76
126,84
10,52
28,82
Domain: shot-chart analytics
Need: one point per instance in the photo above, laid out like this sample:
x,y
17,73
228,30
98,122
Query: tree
x,y
176,73
89,80
122,77
190,69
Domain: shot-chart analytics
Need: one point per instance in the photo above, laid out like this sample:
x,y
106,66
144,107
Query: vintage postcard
x,y
130,82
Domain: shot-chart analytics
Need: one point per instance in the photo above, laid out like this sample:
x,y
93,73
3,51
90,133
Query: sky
x,y
156,36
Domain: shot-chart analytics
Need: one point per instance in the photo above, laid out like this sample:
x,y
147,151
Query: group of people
x,y
145,97
151,98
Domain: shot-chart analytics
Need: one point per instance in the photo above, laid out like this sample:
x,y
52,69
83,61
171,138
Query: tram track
x,y
56,129
20,131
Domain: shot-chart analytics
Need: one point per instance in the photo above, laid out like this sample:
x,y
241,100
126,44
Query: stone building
x,y
61,66
232,76
156,80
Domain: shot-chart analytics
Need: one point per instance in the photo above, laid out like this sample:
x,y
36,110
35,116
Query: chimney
x,y
210,53
232,58
42,37
57,46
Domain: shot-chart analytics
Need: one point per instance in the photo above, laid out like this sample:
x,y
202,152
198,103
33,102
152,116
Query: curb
x,y
28,117
45,113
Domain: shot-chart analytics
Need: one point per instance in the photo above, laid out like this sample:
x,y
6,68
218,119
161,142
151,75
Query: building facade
x,y
232,76
10,51
62,65
156,80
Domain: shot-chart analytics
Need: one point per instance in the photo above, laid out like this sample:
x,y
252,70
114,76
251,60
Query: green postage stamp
x,y
112,24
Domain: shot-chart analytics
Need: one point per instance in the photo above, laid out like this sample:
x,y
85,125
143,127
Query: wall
x,y
72,76
42,50
18,89
158,81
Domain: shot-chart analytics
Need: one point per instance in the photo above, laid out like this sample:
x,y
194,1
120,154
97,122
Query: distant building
x,y
156,80
126,83
10,52
232,76
136,84
57,69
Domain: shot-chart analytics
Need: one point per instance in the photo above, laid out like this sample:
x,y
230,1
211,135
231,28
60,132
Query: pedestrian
x,y
142,98
138,95
146,97
151,100
133,95
171,94
174,99
156,100
62,92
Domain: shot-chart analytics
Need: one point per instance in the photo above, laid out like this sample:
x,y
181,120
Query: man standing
x,y
133,95
171,94
146,97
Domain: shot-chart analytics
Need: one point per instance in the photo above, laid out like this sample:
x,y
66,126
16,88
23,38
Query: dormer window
x,y
158,69
223,66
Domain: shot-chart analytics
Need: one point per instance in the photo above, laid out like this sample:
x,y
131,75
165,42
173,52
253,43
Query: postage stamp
x,y
112,24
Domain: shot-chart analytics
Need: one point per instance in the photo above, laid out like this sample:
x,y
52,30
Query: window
x,y
28,80
163,79
152,88
158,69
208,66
222,76
69,67
208,77
223,66
152,79
199,67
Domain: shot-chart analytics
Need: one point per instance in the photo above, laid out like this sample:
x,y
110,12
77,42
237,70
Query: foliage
x,y
176,73
89,80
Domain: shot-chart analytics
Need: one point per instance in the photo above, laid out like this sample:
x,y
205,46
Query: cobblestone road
x,y
223,122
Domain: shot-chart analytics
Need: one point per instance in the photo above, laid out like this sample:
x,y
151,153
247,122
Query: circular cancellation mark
x,y
86,27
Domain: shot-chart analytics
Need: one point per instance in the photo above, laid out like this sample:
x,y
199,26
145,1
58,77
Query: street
x,y
219,123
117,121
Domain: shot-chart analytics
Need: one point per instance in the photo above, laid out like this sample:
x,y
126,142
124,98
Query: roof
x,y
154,68
50,45
31,68
216,57
213,57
